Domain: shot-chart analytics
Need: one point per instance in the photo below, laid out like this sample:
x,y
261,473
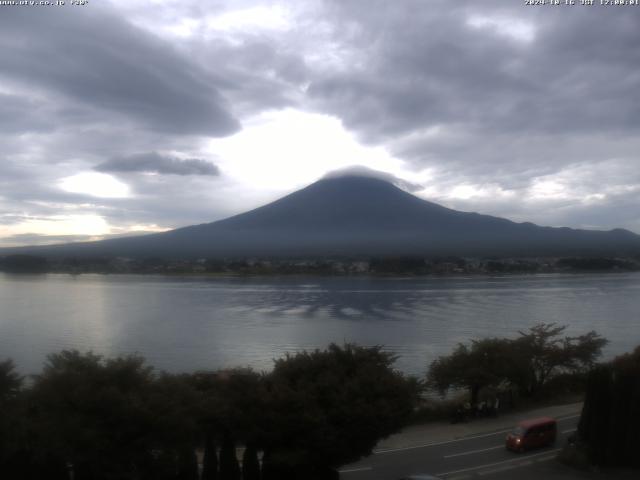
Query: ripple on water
x,y
194,323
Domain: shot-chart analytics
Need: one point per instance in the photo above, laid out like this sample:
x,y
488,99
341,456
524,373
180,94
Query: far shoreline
x,y
381,266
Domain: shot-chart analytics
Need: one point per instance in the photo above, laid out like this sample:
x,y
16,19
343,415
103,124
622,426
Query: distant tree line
x,y
385,265
92,418
528,363
598,263
24,264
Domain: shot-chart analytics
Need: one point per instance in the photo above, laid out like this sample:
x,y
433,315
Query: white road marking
x,y
569,417
351,470
545,459
462,439
503,468
488,465
413,447
569,431
471,452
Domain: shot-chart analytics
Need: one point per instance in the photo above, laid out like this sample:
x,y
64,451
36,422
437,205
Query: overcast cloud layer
x,y
132,116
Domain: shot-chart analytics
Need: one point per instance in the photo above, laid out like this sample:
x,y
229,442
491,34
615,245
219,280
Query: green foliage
x,y
229,467
597,263
484,363
175,404
610,422
94,413
232,400
115,419
10,381
24,264
544,353
250,463
327,408
11,428
398,265
187,464
210,458
527,362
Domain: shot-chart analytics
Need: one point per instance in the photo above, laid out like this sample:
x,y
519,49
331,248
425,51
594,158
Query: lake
x,y
190,323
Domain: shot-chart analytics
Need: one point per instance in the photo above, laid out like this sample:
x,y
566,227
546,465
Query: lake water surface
x,y
189,323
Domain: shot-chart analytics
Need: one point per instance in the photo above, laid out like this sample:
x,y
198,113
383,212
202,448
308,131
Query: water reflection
x,y
193,323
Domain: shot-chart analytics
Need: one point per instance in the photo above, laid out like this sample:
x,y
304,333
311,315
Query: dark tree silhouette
x,y
327,408
545,352
527,362
187,464
110,418
210,459
24,264
229,467
10,381
484,363
250,463
610,422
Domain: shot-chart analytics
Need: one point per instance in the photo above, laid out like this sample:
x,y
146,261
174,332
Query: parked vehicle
x,y
534,433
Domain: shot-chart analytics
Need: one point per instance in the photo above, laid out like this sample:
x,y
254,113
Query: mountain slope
x,y
357,215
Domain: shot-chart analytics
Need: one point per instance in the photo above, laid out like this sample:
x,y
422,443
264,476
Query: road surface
x,y
482,455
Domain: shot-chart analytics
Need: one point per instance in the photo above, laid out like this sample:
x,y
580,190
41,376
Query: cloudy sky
x,y
132,116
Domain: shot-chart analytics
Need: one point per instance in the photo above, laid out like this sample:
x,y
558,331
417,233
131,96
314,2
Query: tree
x,y
232,403
231,407
96,413
174,403
12,457
187,464
210,459
544,352
327,408
609,426
24,264
527,362
486,362
250,463
10,381
229,467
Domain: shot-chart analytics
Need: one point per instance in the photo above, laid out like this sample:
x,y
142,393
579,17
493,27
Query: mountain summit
x,y
356,215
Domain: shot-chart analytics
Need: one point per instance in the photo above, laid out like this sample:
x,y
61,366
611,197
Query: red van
x,y
535,433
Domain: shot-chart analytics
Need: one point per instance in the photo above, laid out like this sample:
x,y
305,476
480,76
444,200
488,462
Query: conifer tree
x,y
210,459
187,464
250,463
229,468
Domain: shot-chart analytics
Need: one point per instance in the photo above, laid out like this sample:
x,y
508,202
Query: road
x,y
481,455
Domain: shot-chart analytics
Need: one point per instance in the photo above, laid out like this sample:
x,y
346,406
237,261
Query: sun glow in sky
x,y
282,150
93,225
95,184
178,113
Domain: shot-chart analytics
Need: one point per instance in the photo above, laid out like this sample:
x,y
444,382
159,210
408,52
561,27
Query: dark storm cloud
x,y
17,115
153,162
97,60
263,72
419,67
507,99
499,96
27,194
87,85
413,66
